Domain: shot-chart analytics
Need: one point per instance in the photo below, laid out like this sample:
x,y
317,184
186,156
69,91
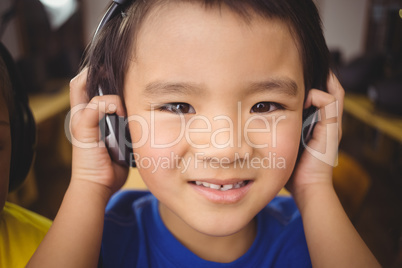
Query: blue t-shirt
x,y
135,236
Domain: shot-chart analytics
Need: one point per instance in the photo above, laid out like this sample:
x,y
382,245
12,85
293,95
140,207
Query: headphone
x,y
22,124
115,132
114,129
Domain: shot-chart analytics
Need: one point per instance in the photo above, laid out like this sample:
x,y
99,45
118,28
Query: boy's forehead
x,y
180,18
176,14
186,30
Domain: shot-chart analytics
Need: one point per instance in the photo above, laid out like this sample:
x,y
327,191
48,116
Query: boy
x,y
214,92
21,231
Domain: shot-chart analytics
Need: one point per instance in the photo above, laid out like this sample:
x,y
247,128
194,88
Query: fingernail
x,y
112,108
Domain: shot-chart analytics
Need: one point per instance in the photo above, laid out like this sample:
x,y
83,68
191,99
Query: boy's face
x,y
5,150
216,101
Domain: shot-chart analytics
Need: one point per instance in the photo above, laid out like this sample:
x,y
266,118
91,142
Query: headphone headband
x,y
114,8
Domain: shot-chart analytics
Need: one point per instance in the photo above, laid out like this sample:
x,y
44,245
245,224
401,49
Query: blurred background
x,y
47,39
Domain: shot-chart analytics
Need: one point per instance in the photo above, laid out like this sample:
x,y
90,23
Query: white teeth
x,y
239,184
214,186
224,187
206,184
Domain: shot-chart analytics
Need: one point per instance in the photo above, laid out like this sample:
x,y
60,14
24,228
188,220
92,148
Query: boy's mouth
x,y
222,187
221,191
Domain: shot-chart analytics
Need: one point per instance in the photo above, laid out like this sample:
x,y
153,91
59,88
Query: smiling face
x,y
221,106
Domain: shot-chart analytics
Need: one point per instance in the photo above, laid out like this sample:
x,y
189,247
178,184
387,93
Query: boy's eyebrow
x,y
167,88
285,86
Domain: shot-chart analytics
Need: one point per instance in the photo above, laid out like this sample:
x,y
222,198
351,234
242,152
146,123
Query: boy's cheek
x,y
159,155
282,154
275,134
159,131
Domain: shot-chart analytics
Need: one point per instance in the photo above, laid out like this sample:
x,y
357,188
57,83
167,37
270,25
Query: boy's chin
x,y
225,231
223,226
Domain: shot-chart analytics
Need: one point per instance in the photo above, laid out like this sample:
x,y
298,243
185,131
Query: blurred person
x,y
21,230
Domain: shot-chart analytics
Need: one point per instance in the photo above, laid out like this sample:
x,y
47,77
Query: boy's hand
x,y
331,238
320,155
91,161
74,239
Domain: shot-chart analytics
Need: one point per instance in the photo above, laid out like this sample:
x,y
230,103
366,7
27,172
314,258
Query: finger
x,y
78,93
99,106
319,99
335,88
329,109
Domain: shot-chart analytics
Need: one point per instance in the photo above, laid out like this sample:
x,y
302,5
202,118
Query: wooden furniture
x,y
46,106
364,110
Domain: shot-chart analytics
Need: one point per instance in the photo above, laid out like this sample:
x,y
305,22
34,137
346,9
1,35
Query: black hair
x,y
107,56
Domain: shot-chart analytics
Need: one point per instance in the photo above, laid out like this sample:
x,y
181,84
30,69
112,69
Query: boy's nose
x,y
221,138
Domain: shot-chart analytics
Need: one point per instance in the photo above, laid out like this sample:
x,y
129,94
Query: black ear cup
x,y
116,135
23,128
23,141
310,117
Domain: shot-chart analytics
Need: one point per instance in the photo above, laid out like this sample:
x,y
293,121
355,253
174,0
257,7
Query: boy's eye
x,y
265,107
178,108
